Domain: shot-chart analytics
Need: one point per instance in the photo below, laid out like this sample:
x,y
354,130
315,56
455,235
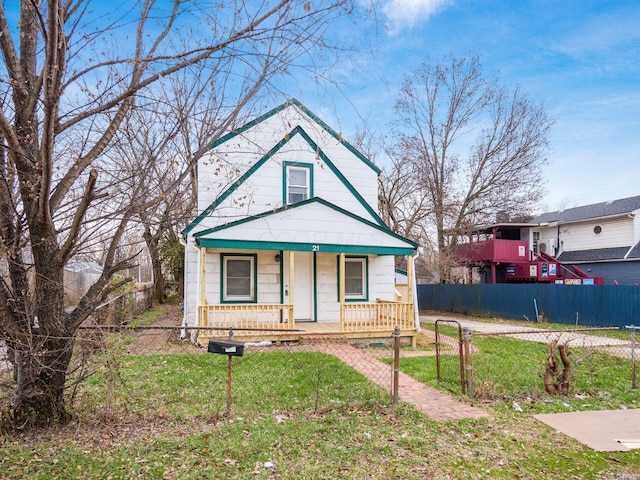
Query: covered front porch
x,y
289,321
311,266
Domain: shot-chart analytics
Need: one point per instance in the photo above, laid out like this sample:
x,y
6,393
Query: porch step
x,y
319,338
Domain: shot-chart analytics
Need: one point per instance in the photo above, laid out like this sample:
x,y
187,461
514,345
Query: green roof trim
x,y
207,211
303,247
297,130
342,178
321,201
311,115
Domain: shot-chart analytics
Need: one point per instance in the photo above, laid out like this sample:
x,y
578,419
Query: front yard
x,y
294,414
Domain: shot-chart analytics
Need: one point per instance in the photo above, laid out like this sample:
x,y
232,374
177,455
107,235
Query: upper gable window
x,y
298,182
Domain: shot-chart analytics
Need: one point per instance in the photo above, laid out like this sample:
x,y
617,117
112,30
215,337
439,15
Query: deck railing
x,y
258,316
379,316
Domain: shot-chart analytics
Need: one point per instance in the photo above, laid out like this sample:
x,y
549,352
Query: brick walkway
x,y
433,403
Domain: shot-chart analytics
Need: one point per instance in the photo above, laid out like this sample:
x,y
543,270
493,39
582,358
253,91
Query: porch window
x,y
298,182
238,278
355,278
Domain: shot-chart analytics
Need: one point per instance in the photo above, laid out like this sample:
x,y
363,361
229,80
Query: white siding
x,y
327,288
263,190
268,277
636,226
313,223
382,278
616,232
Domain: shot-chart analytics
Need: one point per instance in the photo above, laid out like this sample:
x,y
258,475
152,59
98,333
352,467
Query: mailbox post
x,y
231,349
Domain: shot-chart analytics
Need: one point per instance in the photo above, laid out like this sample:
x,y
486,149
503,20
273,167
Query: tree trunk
x,y
152,241
40,374
43,344
556,382
158,279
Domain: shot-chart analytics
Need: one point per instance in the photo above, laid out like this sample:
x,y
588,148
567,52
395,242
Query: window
x,y
298,180
355,278
536,240
238,278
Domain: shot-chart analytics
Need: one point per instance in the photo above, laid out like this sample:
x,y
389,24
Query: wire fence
x,y
121,373
530,363
122,309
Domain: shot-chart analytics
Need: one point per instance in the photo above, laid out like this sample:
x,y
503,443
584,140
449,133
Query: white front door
x,y
303,287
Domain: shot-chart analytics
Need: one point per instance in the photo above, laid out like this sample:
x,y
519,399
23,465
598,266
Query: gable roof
x,y
298,130
311,115
596,210
342,231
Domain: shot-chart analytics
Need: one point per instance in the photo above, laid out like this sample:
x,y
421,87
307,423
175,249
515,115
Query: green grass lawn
x,y
507,370
309,415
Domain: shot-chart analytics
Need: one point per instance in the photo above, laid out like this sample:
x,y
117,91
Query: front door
x,y
303,287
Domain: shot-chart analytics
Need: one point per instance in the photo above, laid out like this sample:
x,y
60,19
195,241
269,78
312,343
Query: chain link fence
x,y
530,363
122,373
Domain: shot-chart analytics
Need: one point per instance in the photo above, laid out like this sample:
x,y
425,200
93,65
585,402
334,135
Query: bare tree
x,y
470,147
70,78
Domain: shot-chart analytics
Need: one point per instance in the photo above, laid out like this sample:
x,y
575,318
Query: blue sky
x,y
579,58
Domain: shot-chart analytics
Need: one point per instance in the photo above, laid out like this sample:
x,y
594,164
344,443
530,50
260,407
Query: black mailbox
x,y
226,347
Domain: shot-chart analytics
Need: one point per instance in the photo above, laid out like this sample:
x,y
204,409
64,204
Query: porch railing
x,y
259,316
356,317
382,315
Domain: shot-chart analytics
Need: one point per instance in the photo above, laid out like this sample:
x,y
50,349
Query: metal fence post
x,y
396,362
468,366
633,354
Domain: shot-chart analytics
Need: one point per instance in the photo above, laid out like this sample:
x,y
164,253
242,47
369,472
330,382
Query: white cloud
x,y
405,13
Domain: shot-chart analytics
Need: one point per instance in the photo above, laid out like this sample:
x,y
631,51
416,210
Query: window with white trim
x,y
298,184
238,278
355,278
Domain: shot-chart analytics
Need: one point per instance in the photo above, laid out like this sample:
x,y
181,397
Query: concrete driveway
x,y
614,346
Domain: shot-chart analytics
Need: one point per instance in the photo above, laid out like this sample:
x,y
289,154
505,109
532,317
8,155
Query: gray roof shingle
x,y
594,255
596,210
635,252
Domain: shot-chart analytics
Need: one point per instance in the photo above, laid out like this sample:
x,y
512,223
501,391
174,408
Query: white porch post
x,y
412,310
341,274
410,279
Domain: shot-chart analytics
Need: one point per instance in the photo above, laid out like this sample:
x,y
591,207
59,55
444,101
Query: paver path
x,y
433,403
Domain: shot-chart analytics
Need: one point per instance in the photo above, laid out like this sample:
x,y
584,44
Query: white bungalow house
x,y
288,238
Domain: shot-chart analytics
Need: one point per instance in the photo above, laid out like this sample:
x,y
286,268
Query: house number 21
x,y
315,248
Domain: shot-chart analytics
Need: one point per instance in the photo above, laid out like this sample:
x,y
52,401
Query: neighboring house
x,y
288,237
597,243
603,239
